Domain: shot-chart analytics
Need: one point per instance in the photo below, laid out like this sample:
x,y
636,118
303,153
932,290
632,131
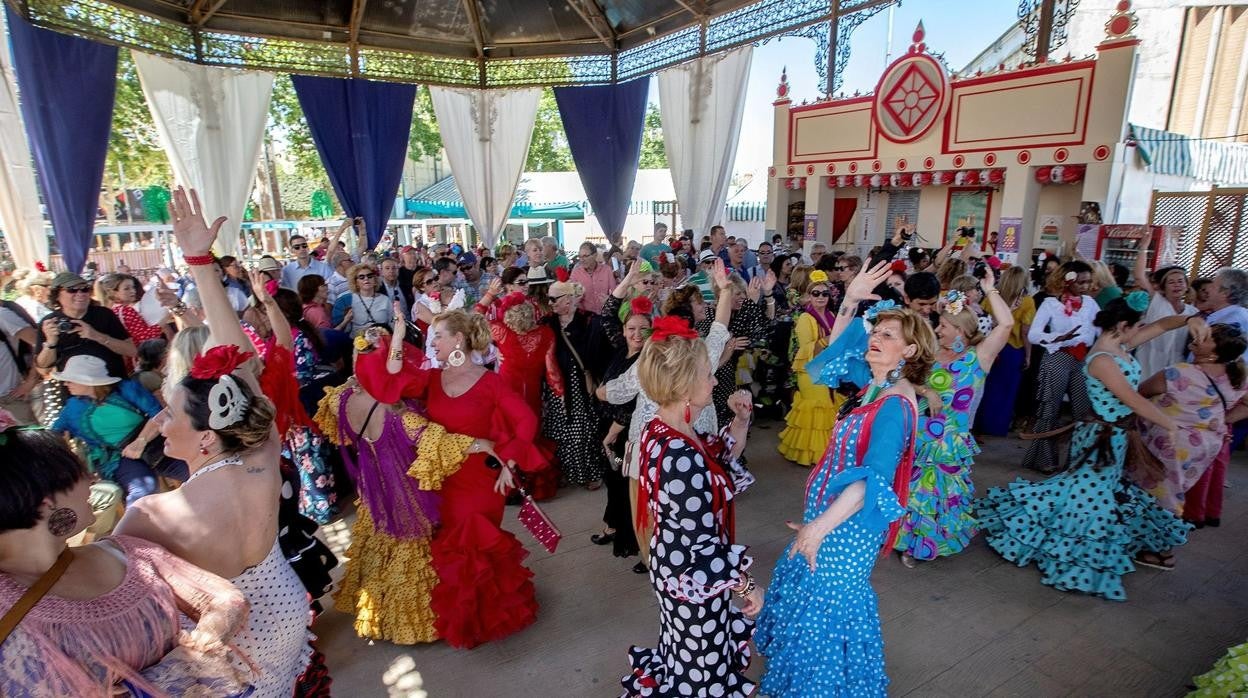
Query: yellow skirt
x,y
388,583
809,422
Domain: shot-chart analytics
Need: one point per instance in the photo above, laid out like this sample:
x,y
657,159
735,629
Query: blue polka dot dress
x,y
1083,526
703,641
820,630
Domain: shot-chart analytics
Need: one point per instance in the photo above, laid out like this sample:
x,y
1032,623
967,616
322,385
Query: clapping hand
x,y
259,287
989,282
755,288
769,282
194,236
719,274
742,404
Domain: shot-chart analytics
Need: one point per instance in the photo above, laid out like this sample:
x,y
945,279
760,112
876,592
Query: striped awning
x,y
1213,161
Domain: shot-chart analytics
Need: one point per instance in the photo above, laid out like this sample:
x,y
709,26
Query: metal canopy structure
x,y
476,43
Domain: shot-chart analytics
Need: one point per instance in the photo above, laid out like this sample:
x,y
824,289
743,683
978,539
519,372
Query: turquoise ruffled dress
x,y
1083,526
939,519
820,630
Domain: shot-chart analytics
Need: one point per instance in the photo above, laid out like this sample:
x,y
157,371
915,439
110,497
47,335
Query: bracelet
x,y
49,346
199,260
396,355
995,291
746,587
178,310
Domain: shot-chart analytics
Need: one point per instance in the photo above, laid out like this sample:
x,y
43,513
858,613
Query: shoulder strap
x,y
33,595
368,418
1216,389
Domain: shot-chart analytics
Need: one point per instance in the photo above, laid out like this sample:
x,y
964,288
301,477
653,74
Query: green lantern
x,y
322,205
250,213
156,203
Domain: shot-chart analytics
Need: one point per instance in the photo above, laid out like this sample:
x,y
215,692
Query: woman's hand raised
x,y
862,287
194,236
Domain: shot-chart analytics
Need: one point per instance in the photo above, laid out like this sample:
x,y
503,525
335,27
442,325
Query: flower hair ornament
x,y
227,404
369,339
1070,276
641,305
955,302
870,314
818,276
1137,301
671,326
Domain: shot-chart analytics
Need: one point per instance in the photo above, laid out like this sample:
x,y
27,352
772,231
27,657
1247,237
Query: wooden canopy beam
x,y
593,16
353,33
202,10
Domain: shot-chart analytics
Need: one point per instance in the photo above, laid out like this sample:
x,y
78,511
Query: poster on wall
x,y
1050,233
810,227
1086,235
967,208
1011,229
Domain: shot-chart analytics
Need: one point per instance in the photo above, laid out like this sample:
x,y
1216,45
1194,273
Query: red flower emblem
x,y
218,361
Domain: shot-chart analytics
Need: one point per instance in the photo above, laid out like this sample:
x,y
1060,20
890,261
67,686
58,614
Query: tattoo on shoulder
x,y
254,469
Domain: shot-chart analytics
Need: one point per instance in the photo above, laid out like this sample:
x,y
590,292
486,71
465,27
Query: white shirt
x,y
1236,315
11,323
1167,349
1052,322
292,272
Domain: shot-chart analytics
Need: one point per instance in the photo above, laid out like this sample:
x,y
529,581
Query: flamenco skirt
x,y
388,582
809,423
820,630
1229,677
483,592
711,664
938,520
1081,528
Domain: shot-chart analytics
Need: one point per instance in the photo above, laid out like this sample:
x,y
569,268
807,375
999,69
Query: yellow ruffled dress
x,y
388,580
810,421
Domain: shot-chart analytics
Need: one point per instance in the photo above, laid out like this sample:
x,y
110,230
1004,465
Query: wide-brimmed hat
x,y
268,264
85,369
67,279
706,256
537,276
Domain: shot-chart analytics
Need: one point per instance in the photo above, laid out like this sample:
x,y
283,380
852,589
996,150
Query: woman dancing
x,y
820,625
813,414
1083,527
696,566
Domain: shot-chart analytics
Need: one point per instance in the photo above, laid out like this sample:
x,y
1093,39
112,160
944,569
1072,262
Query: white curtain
x,y
211,124
702,102
20,215
486,134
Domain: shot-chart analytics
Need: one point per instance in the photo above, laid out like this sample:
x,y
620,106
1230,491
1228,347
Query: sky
x,y
958,28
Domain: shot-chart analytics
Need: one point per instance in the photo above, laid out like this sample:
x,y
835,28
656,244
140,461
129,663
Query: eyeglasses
x,y
555,298
78,290
819,294
300,246
365,277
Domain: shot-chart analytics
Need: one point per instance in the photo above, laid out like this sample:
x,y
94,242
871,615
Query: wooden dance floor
x,y
972,625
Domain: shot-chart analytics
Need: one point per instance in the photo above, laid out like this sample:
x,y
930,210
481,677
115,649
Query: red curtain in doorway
x,y
842,212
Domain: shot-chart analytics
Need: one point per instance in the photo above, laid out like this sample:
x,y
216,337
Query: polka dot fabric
x,y
820,630
703,641
1229,677
1082,527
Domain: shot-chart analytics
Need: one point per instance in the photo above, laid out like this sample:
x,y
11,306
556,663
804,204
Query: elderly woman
x,y
820,626
696,567
35,289
106,620
364,306
810,421
222,426
1168,288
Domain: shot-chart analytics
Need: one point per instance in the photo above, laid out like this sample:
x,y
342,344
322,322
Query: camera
x,y
64,325
980,271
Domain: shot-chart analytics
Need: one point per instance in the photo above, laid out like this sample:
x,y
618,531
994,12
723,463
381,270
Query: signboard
x,y
810,227
967,207
1086,238
1050,233
1008,239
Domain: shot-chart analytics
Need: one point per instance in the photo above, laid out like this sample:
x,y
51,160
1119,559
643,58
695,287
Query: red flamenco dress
x,y
526,360
484,592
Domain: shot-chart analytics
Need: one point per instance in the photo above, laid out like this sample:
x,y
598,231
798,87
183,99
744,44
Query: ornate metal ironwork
x,y
402,66
95,19
1029,15
571,70
661,53
281,55
762,20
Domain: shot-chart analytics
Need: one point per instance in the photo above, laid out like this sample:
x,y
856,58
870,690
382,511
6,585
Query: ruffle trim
x,y
388,583
956,449
327,413
439,454
879,505
484,592
650,676
687,587
939,520
1229,677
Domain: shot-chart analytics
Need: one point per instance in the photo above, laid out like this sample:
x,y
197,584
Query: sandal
x,y
1158,561
640,568
603,538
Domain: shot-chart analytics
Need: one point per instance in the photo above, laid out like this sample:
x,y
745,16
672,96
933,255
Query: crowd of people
x,y
432,385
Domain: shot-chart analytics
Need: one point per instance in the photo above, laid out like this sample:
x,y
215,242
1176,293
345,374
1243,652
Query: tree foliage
x,y
653,154
425,140
548,149
133,145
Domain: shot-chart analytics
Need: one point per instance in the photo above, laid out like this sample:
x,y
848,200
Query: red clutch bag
x,y
538,523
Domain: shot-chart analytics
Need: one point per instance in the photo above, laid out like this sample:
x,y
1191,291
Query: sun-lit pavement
x,y
968,626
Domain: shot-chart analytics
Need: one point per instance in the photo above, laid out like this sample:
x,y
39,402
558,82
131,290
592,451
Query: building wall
x,y
1212,76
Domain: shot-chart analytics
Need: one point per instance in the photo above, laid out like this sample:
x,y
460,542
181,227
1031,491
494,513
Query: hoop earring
x,y
959,345
62,521
457,357
688,413
896,374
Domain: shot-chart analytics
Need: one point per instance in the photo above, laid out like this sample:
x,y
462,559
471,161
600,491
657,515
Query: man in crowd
x,y
409,263
719,244
1228,294
596,278
736,260
303,263
18,377
337,282
470,274
631,253
553,256
390,283
657,246
921,292
817,251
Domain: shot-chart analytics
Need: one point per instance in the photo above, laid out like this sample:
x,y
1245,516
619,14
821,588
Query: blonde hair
x,y
187,343
799,278
521,318
668,370
916,330
949,271
1102,277
474,327
1013,285
362,266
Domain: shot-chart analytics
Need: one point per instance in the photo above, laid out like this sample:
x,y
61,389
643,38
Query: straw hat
x,y
537,276
85,369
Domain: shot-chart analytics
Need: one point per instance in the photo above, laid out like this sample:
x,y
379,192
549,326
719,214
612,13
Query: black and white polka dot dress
x,y
703,641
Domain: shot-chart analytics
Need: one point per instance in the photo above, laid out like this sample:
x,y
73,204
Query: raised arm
x,y
1141,267
1195,325
861,288
277,319
996,340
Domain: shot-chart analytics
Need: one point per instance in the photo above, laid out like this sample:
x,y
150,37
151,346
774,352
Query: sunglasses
x,y
300,246
819,294
648,282
78,290
365,277
840,268
521,282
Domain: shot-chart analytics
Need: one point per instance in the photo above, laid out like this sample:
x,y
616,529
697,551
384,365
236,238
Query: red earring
x,y
203,451
688,413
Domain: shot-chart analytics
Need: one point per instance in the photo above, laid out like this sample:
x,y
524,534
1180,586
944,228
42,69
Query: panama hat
x,y
85,369
537,276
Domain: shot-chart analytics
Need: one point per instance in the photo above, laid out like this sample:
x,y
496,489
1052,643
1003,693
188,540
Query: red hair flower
x,y
562,274
671,326
641,305
898,267
218,361
39,266
511,300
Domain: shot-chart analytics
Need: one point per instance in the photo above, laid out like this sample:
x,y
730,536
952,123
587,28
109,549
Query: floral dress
x,y
1197,403
1083,526
694,564
938,520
